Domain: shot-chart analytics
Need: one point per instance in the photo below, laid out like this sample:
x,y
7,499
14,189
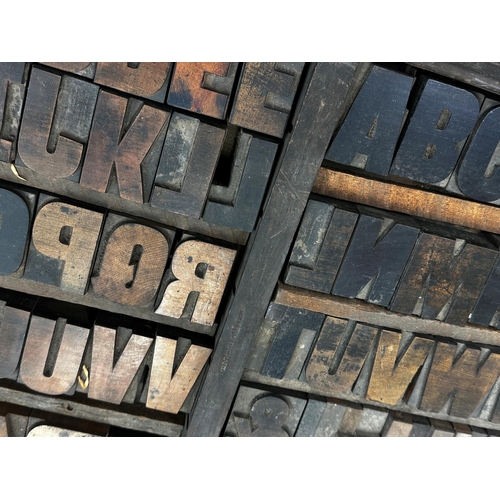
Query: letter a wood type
x,y
36,350
167,391
109,381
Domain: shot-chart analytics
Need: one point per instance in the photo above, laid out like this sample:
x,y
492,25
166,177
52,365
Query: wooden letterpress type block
x,y
477,175
86,69
167,390
375,259
113,367
291,323
339,354
202,87
442,120
237,205
486,311
187,165
265,96
141,79
443,279
12,92
368,136
63,244
123,133
131,262
12,334
459,379
56,123
47,367
200,272
320,246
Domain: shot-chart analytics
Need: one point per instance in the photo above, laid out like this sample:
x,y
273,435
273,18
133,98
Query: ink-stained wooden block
x,y
477,176
375,259
368,136
130,262
321,419
265,96
123,132
86,69
350,421
258,413
148,80
237,205
13,328
443,279
112,370
203,87
200,271
459,379
56,123
371,423
187,165
169,385
398,359
339,354
291,323
486,310
63,244
437,129
12,90
320,246
49,369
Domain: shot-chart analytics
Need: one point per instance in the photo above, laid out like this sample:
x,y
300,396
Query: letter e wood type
x,y
61,377
202,268
265,96
202,87
167,391
63,245
369,134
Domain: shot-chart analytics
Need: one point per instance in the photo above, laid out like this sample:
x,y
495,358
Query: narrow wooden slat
x,y
407,200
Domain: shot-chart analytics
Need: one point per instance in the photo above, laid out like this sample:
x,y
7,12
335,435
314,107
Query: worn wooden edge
x,y
101,303
172,428
357,310
303,387
407,200
484,75
323,102
63,187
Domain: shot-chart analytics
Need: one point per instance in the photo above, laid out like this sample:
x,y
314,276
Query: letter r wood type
x,y
202,268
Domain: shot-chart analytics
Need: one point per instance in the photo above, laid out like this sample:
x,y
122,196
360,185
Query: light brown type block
x,y
86,69
12,334
141,79
53,431
202,87
61,377
132,266
202,268
265,96
109,381
167,391
64,239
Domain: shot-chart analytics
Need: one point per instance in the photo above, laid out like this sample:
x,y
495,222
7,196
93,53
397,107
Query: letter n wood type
x,y
237,205
60,376
459,378
187,165
56,123
375,260
141,79
442,120
320,246
202,87
443,279
265,96
63,244
338,356
123,132
368,136
167,390
131,261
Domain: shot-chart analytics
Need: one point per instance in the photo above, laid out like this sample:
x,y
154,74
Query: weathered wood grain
x,y
86,69
407,200
325,99
202,87
12,334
